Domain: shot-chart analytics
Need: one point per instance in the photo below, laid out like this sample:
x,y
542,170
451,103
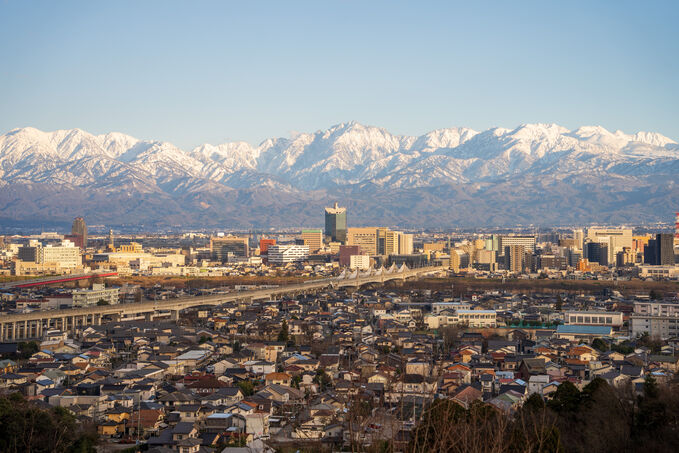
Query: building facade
x,y
99,292
36,258
528,242
222,246
360,262
657,319
79,228
290,253
364,238
313,239
336,223
594,318
615,238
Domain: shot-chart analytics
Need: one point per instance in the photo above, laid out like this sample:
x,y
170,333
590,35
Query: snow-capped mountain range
x,y
535,173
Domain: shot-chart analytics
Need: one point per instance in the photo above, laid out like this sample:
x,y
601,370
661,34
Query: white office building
x,y
528,242
594,318
361,262
86,297
615,239
477,318
281,254
658,319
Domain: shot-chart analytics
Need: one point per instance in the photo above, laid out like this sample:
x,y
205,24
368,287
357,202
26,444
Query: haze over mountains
x,y
539,174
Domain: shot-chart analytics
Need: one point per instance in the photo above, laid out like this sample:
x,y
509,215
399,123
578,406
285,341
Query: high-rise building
x,y
336,223
387,241
573,257
365,238
79,228
650,252
660,251
493,243
405,244
222,246
528,242
380,241
665,244
514,257
597,252
111,241
579,237
616,238
313,239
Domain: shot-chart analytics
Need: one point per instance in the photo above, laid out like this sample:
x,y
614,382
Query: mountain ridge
x,y
69,172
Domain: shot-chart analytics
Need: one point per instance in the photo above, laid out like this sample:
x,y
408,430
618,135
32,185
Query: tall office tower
x,y
111,241
676,228
528,242
664,249
493,243
405,244
313,239
651,252
387,241
365,238
579,237
618,238
597,252
660,251
336,223
515,257
222,246
80,229
531,262
573,257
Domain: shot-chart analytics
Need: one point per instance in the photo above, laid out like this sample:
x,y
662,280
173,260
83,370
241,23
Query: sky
x,y
212,72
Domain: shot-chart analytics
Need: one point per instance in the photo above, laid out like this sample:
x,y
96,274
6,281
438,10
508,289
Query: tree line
x,y
27,428
598,418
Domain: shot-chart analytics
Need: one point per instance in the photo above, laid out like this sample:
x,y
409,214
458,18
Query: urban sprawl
x,y
342,338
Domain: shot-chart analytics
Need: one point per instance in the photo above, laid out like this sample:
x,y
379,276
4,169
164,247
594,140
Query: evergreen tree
x,y
284,335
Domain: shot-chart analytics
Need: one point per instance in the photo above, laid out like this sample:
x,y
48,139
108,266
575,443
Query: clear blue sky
x,y
201,71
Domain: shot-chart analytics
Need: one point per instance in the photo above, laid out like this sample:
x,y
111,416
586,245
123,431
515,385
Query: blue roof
x,y
220,415
584,330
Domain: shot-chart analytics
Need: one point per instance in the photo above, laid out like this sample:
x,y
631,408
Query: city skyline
x,y
339,226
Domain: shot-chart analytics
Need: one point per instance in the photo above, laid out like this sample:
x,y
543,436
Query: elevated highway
x,y
23,326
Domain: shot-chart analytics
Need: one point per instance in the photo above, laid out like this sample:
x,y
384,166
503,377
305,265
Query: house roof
x,y
584,330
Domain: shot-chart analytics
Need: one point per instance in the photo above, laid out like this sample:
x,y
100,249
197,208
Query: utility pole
x,y
139,421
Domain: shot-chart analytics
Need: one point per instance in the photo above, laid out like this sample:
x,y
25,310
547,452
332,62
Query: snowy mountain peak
x,y
346,153
653,138
488,176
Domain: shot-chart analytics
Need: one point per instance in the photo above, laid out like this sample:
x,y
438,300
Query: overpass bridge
x,y
24,326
